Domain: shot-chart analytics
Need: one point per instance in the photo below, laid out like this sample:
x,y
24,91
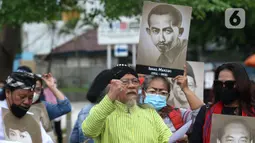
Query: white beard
x,y
131,103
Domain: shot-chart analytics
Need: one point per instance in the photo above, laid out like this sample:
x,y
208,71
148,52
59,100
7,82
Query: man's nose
x,y
161,37
27,101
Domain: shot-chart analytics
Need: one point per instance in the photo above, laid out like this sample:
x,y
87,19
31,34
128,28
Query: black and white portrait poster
x,y
232,129
195,77
163,39
23,130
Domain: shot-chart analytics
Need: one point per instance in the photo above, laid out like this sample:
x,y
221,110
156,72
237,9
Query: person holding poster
x,y
117,118
18,96
232,96
195,77
164,29
157,92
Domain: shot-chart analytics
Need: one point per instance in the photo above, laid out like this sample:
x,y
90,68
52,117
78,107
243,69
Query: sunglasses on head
x,y
228,83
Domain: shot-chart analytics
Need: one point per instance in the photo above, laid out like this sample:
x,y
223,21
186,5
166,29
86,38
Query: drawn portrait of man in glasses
x,y
232,129
237,131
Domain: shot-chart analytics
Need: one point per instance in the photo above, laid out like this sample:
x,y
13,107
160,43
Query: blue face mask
x,y
140,91
157,101
1,90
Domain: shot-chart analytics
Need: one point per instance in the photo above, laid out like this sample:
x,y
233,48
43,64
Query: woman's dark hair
x,y
190,72
97,89
25,68
2,95
253,92
2,81
40,80
41,97
151,78
243,85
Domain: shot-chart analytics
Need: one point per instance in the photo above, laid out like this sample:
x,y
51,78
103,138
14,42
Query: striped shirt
x,y
114,122
187,115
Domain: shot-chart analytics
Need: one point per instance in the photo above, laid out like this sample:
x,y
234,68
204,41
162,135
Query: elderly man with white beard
x,y
119,119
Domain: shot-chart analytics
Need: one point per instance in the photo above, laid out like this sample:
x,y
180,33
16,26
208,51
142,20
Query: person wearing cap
x,y
63,105
118,118
177,97
95,94
17,97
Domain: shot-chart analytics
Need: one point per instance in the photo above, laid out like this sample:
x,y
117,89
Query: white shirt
x,y
45,137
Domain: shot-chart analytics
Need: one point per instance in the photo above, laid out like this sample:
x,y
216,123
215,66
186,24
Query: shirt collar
x,y
3,104
124,108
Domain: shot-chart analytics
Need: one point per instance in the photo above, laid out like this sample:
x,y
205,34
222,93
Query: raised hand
x,y
182,80
49,80
116,88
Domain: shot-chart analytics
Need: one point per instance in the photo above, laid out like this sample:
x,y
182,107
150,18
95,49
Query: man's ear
x,y
148,31
181,30
7,92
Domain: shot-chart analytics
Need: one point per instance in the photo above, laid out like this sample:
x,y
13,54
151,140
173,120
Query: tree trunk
x,y
53,28
10,44
78,59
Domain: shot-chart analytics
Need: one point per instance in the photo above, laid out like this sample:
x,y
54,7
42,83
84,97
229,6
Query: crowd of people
x,y
124,107
23,93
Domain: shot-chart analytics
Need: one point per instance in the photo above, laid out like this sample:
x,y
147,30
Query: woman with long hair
x,y
232,96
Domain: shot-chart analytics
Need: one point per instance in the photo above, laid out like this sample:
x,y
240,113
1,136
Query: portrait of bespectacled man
x,y
232,129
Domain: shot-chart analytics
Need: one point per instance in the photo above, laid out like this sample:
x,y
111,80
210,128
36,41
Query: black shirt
x,y
197,133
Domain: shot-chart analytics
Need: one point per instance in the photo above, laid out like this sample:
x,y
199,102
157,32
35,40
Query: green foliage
x,y
115,8
207,17
69,27
16,12
74,89
207,23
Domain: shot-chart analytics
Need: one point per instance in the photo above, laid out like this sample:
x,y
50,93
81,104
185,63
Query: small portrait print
x,y
163,37
41,115
23,130
17,135
195,77
233,129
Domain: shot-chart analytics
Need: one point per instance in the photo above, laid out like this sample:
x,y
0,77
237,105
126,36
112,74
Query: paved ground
x,y
76,107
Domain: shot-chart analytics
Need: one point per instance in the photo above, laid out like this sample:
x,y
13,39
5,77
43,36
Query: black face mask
x,y
227,96
19,111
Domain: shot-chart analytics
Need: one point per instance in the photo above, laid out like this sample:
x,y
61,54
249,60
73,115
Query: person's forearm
x,y
93,125
59,95
193,100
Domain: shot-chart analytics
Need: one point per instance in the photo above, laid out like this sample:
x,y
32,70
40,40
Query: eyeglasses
x,y
134,81
38,89
157,91
228,83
